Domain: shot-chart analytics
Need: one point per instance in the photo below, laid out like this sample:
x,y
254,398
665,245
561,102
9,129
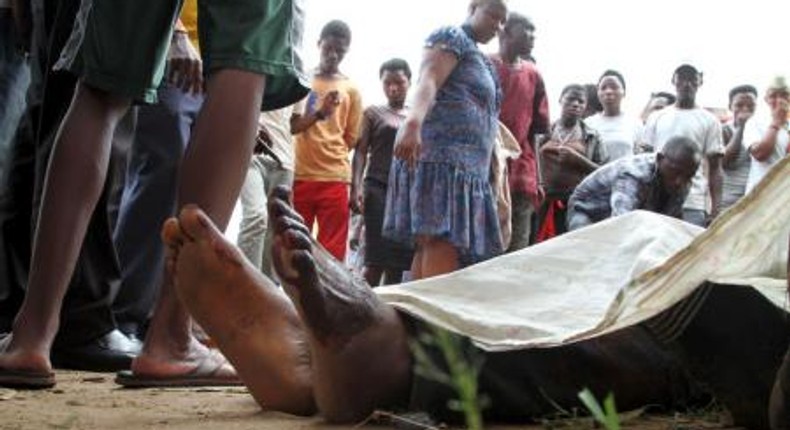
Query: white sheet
x,y
610,275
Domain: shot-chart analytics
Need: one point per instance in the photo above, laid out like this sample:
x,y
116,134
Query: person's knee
x,y
107,105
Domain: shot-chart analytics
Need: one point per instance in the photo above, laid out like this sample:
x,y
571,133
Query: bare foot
x,y
170,350
24,367
334,303
253,322
346,321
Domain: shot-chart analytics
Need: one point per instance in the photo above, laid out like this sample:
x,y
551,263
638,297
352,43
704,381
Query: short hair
x,y
336,28
682,148
749,89
663,94
476,3
573,87
615,74
514,19
395,64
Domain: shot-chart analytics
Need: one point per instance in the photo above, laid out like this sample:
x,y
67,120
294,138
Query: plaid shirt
x,y
622,186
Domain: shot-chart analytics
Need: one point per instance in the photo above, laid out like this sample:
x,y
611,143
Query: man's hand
x,y
356,201
184,67
329,104
408,142
741,118
780,113
262,141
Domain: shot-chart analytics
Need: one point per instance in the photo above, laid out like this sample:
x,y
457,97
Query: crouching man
x,y
658,182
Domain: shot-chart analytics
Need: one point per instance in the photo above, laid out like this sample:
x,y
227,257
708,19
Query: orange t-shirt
x,y
189,19
322,151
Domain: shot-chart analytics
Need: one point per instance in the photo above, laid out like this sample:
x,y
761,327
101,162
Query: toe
x,y
195,224
296,239
171,233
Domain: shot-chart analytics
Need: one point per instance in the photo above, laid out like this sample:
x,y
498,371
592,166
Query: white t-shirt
x,y
618,133
754,131
698,125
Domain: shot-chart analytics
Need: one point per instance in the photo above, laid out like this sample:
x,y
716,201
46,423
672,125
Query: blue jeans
x,y
14,80
149,197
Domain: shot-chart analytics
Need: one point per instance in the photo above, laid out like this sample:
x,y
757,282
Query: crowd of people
x,y
124,126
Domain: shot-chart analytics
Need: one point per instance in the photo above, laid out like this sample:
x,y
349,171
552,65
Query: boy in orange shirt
x,y
326,125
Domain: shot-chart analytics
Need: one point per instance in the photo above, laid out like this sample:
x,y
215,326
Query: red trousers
x,y
327,203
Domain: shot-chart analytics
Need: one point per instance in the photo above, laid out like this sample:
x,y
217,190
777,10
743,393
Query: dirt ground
x,y
92,401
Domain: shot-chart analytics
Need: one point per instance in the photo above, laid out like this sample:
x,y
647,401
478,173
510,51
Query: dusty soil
x,y
92,401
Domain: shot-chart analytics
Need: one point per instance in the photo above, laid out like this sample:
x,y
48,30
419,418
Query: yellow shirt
x,y
322,151
189,19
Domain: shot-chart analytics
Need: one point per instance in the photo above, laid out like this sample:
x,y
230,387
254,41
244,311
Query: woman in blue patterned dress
x,y
439,196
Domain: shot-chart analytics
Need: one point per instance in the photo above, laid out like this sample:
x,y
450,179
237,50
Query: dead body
x,y
323,348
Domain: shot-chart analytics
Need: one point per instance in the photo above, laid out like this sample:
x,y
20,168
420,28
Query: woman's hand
x,y
408,142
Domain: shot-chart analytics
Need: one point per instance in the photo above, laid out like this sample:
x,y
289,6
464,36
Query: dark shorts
x,y
120,46
380,251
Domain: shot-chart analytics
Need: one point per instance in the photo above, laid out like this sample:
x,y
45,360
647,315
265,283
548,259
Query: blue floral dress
x,y
448,195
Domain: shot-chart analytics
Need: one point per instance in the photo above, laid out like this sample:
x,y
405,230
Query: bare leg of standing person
x,y
211,176
76,173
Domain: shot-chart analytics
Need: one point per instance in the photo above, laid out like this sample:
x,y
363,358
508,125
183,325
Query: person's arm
x,y
648,140
184,67
568,156
713,151
540,111
354,119
304,120
734,142
358,164
715,181
762,149
437,64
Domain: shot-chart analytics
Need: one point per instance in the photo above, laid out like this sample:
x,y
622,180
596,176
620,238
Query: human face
x,y
676,175
743,105
487,20
610,93
396,86
521,39
774,97
573,104
686,86
333,49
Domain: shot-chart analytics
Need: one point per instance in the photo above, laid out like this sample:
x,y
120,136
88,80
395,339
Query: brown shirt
x,y
379,126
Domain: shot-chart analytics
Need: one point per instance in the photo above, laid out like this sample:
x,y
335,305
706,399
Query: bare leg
x,y
75,176
212,174
360,353
253,322
437,257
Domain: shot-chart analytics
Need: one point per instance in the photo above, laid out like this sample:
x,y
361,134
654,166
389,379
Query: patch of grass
x,y
463,362
605,415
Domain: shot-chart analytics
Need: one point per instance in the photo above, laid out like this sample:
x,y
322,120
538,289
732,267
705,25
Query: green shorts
x,y
120,46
